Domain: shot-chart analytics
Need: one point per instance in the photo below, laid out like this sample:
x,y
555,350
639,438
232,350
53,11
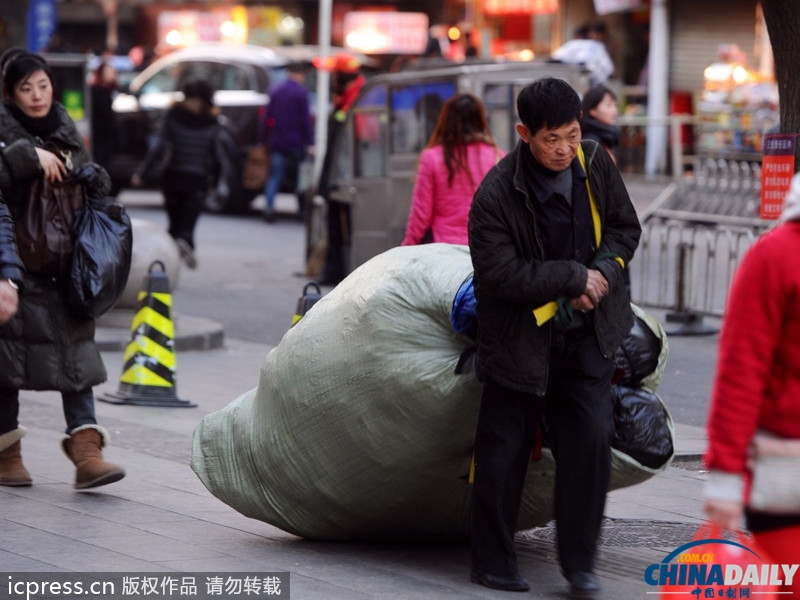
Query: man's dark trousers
x,y
580,424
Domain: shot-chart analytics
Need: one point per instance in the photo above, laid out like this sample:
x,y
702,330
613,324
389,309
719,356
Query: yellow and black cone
x,y
306,301
149,365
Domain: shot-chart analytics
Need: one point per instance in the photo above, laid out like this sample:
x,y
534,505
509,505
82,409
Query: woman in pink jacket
x,y
460,151
757,386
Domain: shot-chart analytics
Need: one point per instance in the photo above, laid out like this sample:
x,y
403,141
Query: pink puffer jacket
x,y
442,208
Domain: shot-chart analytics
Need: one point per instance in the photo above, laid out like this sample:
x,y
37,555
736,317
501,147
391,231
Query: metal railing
x,y
687,271
718,192
630,154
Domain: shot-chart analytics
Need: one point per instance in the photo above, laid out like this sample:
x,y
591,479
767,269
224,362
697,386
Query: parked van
x,y
375,154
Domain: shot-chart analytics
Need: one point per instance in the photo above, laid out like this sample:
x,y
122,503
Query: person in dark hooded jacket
x,y
551,231
45,345
191,143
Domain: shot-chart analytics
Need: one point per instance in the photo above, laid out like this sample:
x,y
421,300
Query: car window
x,y
415,109
165,80
501,113
370,130
236,77
220,75
364,139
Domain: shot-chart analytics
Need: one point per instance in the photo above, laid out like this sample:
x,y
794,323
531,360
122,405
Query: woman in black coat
x,y
45,346
599,121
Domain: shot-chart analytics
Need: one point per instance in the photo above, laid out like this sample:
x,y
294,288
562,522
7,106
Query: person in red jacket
x,y
757,384
459,153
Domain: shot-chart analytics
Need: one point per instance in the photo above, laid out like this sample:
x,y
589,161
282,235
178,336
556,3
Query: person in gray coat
x,y
551,231
45,345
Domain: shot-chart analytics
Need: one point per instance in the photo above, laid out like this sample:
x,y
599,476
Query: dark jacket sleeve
x,y
20,163
10,263
224,153
157,153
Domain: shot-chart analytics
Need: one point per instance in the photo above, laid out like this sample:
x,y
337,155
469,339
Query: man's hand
x,y
9,301
596,287
582,304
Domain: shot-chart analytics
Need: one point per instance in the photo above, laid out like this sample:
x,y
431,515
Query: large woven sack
x,y
359,428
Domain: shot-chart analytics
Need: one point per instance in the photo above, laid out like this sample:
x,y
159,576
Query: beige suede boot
x,y
12,471
84,449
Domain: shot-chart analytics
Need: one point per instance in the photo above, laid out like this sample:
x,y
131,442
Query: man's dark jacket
x,y
513,277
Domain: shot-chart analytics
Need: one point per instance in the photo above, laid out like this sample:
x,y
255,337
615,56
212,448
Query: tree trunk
x,y
13,19
782,17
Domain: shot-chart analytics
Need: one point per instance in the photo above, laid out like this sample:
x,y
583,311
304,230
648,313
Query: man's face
x,y
553,148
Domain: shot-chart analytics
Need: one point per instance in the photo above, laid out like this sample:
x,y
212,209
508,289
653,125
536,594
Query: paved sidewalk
x,y
161,517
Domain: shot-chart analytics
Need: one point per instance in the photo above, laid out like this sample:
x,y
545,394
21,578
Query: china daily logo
x,y
694,572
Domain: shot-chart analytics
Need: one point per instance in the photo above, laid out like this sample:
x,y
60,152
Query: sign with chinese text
x,y
777,169
41,23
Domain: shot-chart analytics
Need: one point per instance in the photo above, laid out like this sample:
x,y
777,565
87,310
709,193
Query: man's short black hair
x,y
549,102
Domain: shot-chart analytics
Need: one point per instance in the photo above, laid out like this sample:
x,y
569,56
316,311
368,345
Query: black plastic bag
x,y
637,356
641,426
102,258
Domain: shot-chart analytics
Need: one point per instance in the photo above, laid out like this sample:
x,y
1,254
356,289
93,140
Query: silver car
x,y
242,76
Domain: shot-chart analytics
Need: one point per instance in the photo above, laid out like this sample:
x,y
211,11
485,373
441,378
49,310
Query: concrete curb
x,y
113,332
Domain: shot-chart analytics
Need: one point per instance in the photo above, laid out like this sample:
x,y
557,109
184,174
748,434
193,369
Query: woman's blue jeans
x,y
279,162
78,409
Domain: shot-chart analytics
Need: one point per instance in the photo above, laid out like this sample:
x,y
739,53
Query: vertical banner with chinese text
x,y
41,23
777,169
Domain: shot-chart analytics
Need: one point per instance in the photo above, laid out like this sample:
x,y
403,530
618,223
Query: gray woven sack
x,y
359,428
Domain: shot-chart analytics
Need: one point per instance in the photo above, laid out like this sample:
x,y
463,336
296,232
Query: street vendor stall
x,y
736,107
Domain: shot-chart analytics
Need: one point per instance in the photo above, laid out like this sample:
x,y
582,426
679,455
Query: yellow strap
x,y
592,203
547,311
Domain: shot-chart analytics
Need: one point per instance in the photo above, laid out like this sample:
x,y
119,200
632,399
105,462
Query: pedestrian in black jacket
x,y
549,253
190,142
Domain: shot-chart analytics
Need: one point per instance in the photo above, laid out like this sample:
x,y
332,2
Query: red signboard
x,y
519,7
386,32
777,169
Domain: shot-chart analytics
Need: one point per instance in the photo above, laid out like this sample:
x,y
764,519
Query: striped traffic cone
x,y
306,301
149,364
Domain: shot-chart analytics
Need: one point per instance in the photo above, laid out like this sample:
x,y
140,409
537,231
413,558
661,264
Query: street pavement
x,y
160,517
